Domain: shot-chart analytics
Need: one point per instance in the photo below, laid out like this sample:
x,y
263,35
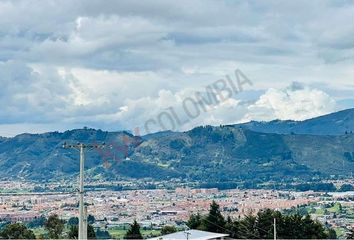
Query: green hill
x,y
204,154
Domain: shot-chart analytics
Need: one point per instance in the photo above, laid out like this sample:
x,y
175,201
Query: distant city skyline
x,y
115,64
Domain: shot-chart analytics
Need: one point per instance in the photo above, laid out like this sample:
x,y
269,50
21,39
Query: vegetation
x,y
134,231
260,226
16,231
346,188
74,232
168,229
120,232
73,221
204,155
54,226
214,221
318,187
102,234
91,219
37,222
195,221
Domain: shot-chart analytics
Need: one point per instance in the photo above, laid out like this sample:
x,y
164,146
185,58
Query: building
x,y
192,235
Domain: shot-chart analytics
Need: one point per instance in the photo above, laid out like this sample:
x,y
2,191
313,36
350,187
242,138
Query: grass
x,y
119,233
319,211
116,233
39,232
340,232
335,208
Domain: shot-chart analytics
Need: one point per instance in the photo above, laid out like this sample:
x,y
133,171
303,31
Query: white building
x,y
192,235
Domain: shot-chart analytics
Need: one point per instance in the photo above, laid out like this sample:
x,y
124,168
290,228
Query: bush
x,y
17,231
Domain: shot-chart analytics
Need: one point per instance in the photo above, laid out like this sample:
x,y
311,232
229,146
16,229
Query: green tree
x,y
102,234
73,221
17,231
247,227
134,231
346,188
54,226
214,221
195,221
168,229
331,234
74,232
313,229
292,227
233,228
288,227
37,222
91,232
264,224
91,219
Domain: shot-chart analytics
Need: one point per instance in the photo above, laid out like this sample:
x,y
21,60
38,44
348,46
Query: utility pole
x,y
82,216
85,222
275,229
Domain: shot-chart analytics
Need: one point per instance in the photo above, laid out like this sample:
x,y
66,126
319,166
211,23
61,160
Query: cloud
x,y
153,35
168,110
114,64
293,103
29,95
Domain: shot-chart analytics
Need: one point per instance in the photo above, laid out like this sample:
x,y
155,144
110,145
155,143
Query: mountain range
x,y
321,147
337,123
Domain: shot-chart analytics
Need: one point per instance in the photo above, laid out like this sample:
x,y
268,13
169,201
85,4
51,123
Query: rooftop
x,y
191,235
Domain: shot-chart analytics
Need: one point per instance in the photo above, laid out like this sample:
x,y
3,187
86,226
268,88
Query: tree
x,y
102,234
37,222
91,232
91,219
73,221
233,228
260,226
264,224
195,221
331,234
168,229
313,229
74,232
214,221
292,227
134,231
247,227
346,188
54,226
17,231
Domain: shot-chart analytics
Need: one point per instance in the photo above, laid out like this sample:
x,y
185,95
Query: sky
x,y
115,65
